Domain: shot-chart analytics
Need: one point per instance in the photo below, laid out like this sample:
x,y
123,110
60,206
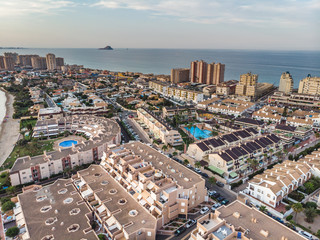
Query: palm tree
x,y
197,164
310,213
212,180
164,147
185,162
297,207
263,208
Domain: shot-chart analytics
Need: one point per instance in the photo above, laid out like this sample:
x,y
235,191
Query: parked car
x,y
189,166
204,210
225,201
190,223
197,170
220,199
216,195
205,175
219,184
179,231
217,205
211,192
306,234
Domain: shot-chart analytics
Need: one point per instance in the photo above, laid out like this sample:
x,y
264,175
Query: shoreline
x,y
10,130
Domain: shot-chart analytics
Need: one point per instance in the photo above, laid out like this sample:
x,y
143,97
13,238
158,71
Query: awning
x,y
164,197
139,197
150,185
81,184
142,202
150,200
233,175
86,193
101,209
216,170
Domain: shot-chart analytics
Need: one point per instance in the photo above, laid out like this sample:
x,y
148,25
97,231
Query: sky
x,y
203,24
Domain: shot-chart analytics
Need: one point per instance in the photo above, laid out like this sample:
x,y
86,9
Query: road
x,y
139,132
50,102
125,135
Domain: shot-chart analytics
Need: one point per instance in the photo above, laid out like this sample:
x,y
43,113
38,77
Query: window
x,y
149,234
183,204
182,210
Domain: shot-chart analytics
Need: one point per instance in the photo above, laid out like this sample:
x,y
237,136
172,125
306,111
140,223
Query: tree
x,y
253,163
212,180
197,164
164,147
8,206
11,190
309,187
297,207
174,154
310,213
12,232
186,162
263,208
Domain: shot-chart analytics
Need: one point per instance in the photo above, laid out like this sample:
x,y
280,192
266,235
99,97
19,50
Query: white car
x,y
190,223
204,210
306,234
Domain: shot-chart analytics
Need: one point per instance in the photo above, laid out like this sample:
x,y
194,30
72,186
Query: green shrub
x,y
4,199
12,232
310,205
8,206
289,218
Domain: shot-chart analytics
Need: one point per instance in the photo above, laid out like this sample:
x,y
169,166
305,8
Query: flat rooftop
x,y
263,222
160,161
47,212
100,182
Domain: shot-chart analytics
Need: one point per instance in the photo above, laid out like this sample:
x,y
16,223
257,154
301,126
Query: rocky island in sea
x,y
106,48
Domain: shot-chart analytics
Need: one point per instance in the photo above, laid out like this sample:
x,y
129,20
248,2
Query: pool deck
x,y
200,126
72,137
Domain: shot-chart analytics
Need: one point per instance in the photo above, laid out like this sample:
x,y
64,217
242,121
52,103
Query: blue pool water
x,y
198,133
68,143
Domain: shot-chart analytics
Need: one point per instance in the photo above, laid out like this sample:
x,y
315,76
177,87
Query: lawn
x,y
25,122
32,148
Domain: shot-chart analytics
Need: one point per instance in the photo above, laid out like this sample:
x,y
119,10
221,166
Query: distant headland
x,y
12,48
106,48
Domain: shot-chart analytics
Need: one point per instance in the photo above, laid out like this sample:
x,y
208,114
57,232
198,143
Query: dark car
x,y
219,184
216,195
179,231
225,201
205,175
220,199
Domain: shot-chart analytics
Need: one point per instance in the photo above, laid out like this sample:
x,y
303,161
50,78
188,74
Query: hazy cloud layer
x,y
287,12
23,7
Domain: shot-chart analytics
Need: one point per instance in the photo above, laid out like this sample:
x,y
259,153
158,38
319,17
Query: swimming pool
x,y
68,143
198,133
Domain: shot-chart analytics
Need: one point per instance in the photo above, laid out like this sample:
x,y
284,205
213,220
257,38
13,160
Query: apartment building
x,y
286,83
274,185
201,149
179,75
51,62
231,107
287,131
267,114
2,63
202,72
226,88
249,123
247,85
39,63
302,101
239,221
175,92
309,85
9,63
233,160
101,132
49,113
56,211
165,188
159,128
184,112
113,206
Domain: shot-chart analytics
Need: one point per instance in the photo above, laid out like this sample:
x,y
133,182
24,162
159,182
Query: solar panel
x,y
202,146
231,154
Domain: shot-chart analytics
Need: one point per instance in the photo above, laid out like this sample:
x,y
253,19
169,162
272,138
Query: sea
x,y
267,64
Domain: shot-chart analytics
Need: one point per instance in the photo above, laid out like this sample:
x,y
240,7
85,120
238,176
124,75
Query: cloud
x,y
23,7
252,12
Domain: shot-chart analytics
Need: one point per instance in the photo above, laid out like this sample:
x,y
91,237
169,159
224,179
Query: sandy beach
x,y
9,130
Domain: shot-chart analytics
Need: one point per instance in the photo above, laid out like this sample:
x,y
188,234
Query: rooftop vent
x,y
264,233
73,228
41,198
236,215
48,237
63,191
133,213
51,221
68,200
74,211
113,191
122,201
45,209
